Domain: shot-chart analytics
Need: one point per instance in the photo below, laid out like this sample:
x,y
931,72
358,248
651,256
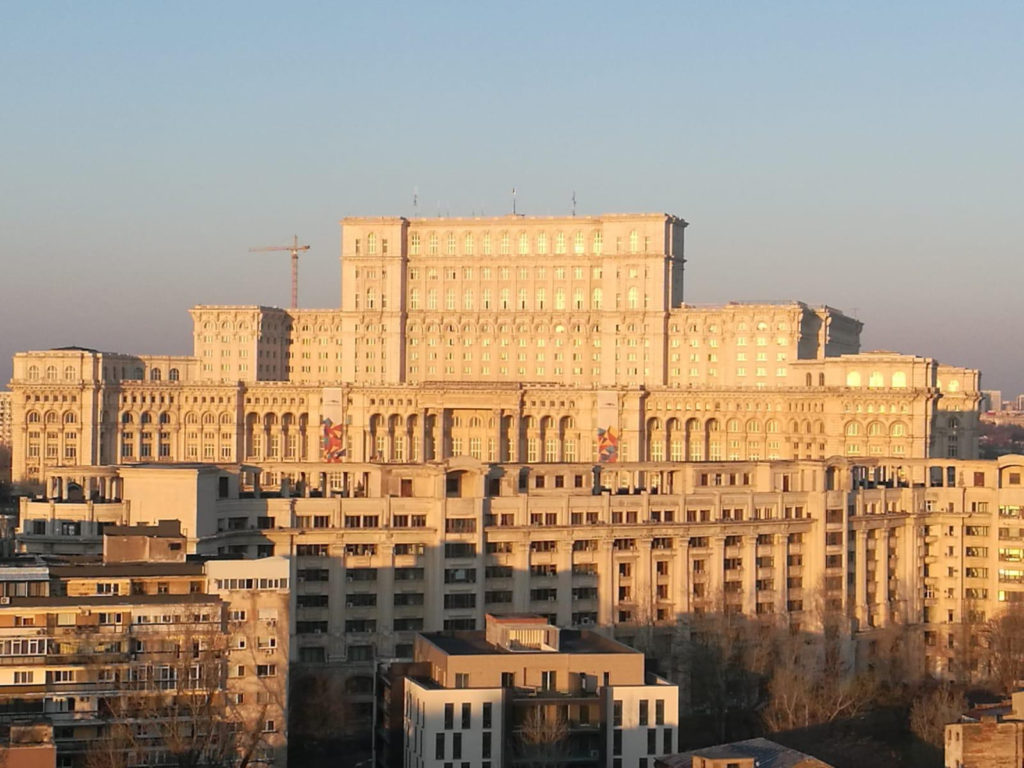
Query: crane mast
x,y
294,249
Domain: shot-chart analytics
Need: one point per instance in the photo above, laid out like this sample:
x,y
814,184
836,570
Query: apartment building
x,y
990,736
524,689
510,339
431,547
186,646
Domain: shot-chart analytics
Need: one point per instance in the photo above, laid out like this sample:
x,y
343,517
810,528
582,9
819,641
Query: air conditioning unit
x,y
5,600
595,753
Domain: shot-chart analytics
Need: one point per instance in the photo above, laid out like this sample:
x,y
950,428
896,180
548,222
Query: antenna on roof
x,y
574,202
415,199
513,201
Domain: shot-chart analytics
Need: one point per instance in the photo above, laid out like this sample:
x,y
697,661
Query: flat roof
x,y
474,643
98,600
766,754
113,570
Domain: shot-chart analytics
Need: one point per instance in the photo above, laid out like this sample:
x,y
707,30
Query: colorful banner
x,y
608,429
332,426
607,445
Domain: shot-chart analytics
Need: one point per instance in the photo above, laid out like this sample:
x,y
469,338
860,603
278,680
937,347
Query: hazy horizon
x,y
867,157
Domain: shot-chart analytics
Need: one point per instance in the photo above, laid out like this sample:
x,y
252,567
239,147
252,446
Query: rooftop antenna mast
x,y
294,249
574,203
513,201
415,199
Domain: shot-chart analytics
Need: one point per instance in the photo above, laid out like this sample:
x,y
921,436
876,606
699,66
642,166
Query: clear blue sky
x,y
865,155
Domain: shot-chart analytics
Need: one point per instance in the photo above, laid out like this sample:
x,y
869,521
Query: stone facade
x,y
507,340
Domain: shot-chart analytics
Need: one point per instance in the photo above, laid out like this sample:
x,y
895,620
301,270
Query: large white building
x,y
524,690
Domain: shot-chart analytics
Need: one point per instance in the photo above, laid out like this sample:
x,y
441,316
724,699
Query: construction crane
x,y
294,249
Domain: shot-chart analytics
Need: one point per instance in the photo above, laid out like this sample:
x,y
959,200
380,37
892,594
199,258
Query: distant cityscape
x,y
514,502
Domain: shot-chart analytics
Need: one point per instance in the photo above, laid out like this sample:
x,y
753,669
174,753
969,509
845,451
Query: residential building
x,y
751,753
524,689
97,646
937,544
988,737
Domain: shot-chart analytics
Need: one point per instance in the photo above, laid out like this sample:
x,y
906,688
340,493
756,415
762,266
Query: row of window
x,y
541,244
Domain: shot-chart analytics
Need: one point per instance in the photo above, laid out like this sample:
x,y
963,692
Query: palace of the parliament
x,y
523,414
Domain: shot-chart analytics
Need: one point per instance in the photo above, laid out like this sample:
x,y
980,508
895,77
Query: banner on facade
x,y
607,427
332,425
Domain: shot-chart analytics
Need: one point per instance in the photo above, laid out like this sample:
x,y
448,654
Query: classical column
x,y
780,556
750,574
606,596
861,577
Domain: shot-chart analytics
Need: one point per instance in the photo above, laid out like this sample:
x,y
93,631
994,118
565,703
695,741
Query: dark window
x,y
449,716
439,747
467,710
487,713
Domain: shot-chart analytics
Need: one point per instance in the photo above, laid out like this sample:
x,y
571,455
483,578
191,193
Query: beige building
x,y
750,753
89,647
988,736
934,543
523,689
514,339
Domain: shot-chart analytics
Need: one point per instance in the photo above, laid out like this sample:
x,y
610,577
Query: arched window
x,y
875,380
467,244
147,418
414,298
821,379
165,418
852,429
504,244
432,244
596,299
853,379
899,429
172,375
51,373
69,373
771,426
51,417
371,243
633,298
154,374
899,380
875,429
450,242
577,245
69,418
33,417
524,243
127,418
33,373
634,241
560,242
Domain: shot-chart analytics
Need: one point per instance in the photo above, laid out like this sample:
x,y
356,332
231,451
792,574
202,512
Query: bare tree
x,y
1003,638
814,676
933,710
543,738
174,702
